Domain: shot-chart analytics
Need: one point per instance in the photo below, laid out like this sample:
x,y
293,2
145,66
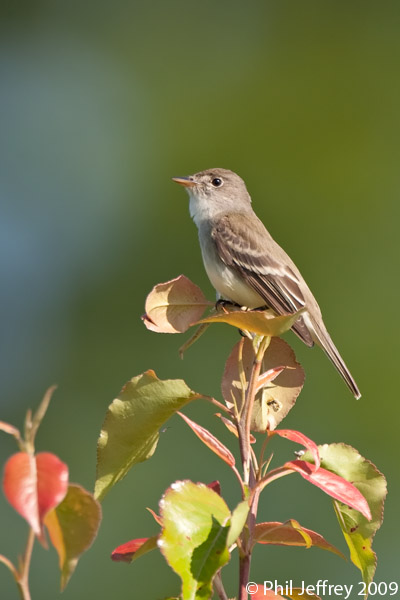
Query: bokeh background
x,y
100,104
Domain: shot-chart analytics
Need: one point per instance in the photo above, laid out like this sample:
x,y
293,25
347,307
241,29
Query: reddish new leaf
x,y
215,486
133,549
268,376
155,516
286,534
333,485
35,485
210,441
233,428
300,438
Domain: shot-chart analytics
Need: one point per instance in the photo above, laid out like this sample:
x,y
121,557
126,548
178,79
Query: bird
x,y
245,264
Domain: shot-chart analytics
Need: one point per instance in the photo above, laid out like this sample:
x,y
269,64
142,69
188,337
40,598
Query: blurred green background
x,y
100,104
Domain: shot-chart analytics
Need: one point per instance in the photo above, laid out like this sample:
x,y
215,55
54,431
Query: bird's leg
x,y
222,304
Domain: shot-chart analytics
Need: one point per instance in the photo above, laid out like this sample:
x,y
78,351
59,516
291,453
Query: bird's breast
x,y
228,282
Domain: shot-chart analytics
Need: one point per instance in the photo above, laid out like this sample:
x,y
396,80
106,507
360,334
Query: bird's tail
x,y
324,340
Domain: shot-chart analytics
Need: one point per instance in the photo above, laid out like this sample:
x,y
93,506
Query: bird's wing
x,y
244,244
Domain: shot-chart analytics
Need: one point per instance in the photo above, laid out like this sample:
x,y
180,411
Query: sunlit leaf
x,y
357,530
173,306
34,485
284,534
332,484
130,431
277,397
134,549
194,538
210,441
72,527
255,321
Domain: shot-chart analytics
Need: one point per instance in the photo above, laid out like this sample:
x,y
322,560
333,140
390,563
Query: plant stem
x,y
23,580
245,421
217,404
7,562
219,587
244,572
249,474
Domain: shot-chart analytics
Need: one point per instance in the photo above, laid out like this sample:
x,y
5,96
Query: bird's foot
x,y
223,305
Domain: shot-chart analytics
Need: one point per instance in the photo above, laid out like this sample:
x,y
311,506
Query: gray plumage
x,y
245,264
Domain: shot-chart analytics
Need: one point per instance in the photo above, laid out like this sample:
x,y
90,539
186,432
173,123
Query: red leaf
x,y
35,485
126,552
268,376
332,484
215,486
300,438
210,441
52,481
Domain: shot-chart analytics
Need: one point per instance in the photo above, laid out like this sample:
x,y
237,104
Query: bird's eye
x,y
217,182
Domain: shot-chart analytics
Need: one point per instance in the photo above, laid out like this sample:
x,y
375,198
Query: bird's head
x,y
214,191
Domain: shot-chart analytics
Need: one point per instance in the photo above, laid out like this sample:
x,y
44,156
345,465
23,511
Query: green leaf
x,y
130,431
194,538
357,530
256,321
238,521
72,527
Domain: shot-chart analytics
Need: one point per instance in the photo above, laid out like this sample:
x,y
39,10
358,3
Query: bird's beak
x,y
186,181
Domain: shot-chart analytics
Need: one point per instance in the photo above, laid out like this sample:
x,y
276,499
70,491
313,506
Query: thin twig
x,y
219,587
250,467
242,487
248,411
275,474
23,581
7,562
217,403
